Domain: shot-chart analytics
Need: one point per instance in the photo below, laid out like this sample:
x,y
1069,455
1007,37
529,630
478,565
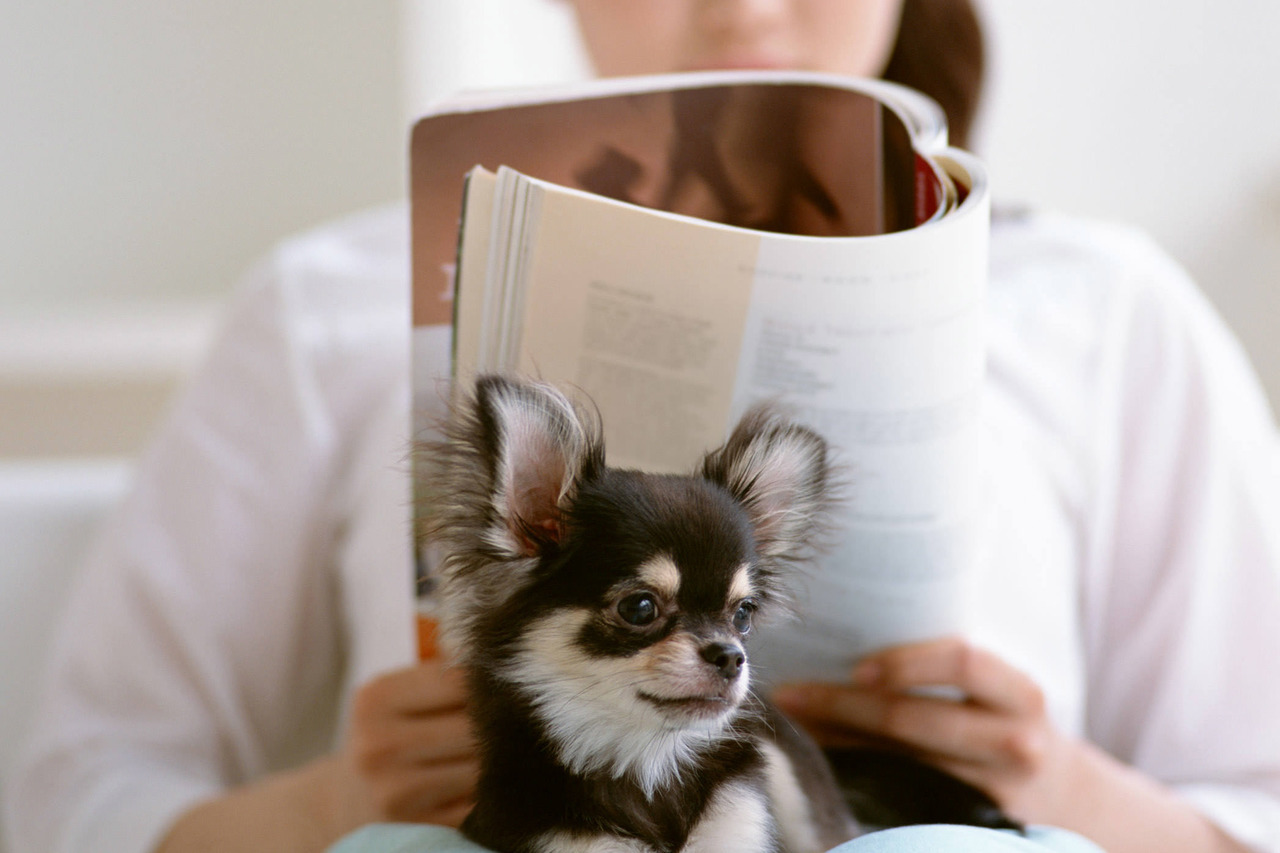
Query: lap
x,y
411,838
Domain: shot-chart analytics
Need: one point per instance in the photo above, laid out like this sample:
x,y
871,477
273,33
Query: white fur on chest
x,y
737,819
790,805
563,842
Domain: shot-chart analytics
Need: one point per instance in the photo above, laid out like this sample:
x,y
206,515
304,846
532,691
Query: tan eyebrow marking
x,y
740,587
662,576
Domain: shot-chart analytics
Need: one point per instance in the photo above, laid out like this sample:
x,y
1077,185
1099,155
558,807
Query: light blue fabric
x,y
968,839
410,838
405,838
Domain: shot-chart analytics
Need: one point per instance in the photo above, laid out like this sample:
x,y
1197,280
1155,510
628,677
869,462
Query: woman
x,y
249,580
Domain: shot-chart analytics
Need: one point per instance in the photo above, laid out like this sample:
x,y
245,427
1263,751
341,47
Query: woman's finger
x,y
428,687
451,815
828,735
979,675
429,740
937,727
421,793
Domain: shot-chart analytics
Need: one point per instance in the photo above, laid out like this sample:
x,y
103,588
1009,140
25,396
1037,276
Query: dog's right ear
x,y
781,473
535,446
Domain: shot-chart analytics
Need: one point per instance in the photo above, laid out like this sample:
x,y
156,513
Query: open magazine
x,y
678,247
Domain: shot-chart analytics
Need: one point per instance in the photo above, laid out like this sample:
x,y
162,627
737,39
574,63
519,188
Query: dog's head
x,y
613,604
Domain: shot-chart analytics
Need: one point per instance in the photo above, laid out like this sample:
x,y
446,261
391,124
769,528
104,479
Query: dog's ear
x,y
781,474
491,496
536,447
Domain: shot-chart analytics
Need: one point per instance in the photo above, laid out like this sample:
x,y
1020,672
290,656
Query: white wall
x,y
1163,115
151,150
469,44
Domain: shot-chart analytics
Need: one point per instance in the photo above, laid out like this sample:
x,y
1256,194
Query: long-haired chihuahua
x,y
600,615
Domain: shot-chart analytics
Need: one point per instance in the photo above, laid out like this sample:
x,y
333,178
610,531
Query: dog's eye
x,y
639,609
742,617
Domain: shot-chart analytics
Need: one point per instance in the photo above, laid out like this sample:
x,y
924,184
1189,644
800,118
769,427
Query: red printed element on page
x,y
927,195
428,645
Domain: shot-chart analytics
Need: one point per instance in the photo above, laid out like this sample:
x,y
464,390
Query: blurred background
x,y
153,150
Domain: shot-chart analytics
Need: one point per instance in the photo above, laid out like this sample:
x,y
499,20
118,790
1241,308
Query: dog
x,y
601,616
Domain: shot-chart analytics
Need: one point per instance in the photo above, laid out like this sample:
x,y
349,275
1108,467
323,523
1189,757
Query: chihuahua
x,y
601,615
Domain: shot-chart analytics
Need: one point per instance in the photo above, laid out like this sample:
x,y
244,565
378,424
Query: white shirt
x,y
261,569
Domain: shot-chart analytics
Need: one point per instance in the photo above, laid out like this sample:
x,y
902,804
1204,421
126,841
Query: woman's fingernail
x,y
867,673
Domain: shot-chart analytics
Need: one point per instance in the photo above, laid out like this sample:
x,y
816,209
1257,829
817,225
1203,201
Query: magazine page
x,y
641,311
673,326
469,305
667,228
705,144
879,345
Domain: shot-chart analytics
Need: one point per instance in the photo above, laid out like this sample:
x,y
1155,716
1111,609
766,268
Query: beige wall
x,y
150,150
1162,115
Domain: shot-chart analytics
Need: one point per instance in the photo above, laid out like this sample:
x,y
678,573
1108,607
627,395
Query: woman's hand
x,y
996,734
409,754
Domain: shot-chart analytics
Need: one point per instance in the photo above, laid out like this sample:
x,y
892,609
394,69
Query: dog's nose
x,y
727,658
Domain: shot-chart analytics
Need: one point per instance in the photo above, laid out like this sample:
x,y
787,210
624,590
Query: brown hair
x,y
939,51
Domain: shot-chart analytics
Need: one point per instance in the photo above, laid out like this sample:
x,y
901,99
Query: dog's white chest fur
x,y
737,819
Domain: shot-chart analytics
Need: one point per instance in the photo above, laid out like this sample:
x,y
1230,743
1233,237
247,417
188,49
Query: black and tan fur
x,y
600,616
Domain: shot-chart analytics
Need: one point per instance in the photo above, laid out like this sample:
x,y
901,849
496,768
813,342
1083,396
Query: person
x,y
236,669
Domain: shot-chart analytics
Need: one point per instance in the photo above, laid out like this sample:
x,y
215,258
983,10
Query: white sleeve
x,y
1182,595
205,621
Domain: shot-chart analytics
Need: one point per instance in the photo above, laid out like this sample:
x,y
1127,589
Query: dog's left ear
x,y
493,493
538,446
780,472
